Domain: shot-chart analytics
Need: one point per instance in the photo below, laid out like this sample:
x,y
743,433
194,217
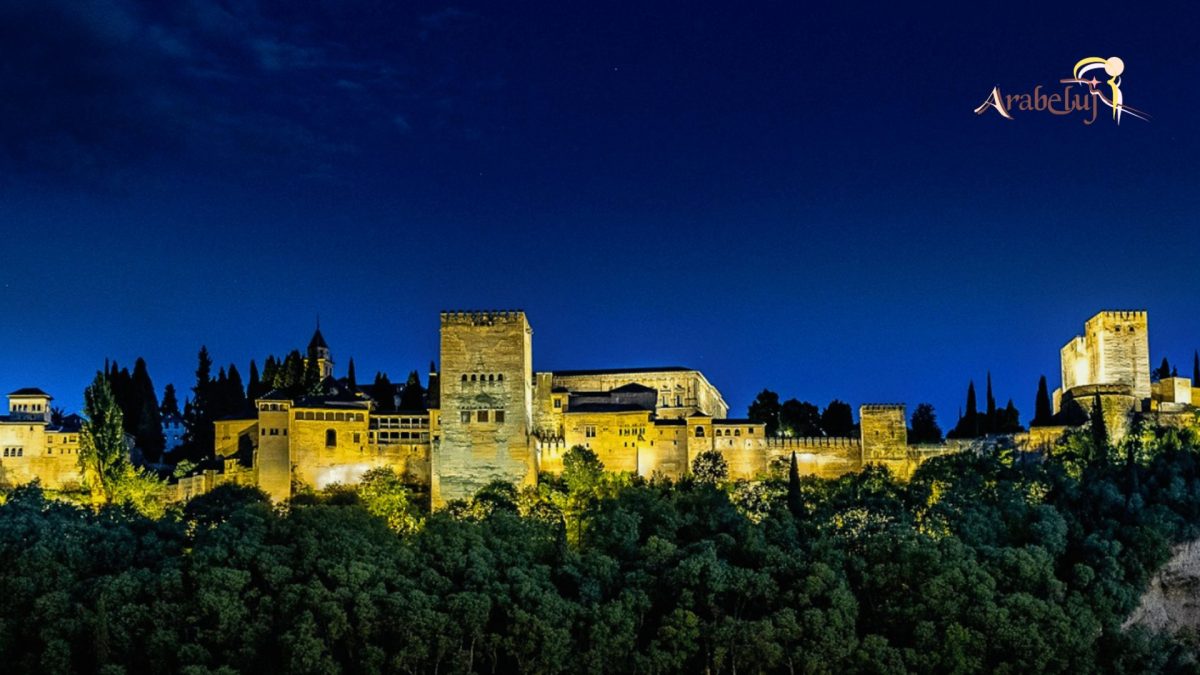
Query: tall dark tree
x,y
120,382
170,404
765,409
837,419
270,375
1042,412
412,397
291,375
990,423
311,378
968,424
925,428
1196,368
351,377
795,501
1099,431
1008,420
383,392
1164,370
198,415
254,385
235,392
148,424
799,419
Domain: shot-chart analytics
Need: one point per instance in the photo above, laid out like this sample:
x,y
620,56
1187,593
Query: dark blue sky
x,y
780,195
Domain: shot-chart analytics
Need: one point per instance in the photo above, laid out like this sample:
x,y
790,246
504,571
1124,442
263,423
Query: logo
x,y
1072,99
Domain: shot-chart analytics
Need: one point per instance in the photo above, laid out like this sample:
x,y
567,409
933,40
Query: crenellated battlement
x,y
881,407
813,442
1122,314
481,317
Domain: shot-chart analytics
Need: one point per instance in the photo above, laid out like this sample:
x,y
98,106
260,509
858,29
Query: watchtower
x,y
486,397
884,431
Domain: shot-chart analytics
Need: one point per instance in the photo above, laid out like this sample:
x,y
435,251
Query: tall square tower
x,y
486,395
1114,349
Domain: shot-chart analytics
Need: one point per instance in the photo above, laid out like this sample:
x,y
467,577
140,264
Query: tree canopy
x,y
987,562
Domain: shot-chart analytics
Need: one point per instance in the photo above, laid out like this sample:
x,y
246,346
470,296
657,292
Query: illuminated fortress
x,y
488,416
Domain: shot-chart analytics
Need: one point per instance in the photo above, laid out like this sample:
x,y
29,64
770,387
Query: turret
x,y
318,349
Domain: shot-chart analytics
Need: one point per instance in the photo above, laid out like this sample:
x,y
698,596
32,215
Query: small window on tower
x,y
500,377
465,416
482,416
499,417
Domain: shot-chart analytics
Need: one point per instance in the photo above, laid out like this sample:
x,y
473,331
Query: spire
x,y
318,340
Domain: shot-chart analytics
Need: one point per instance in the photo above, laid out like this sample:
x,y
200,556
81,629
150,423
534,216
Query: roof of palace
x,y
621,371
607,408
30,391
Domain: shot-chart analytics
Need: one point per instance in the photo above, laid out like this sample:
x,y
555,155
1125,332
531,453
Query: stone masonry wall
x,y
486,367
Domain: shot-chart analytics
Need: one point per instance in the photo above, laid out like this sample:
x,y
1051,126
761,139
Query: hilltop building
x,y
1110,362
488,415
35,446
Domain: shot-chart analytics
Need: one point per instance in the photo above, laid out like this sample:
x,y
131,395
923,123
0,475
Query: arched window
x,y
330,438
737,432
491,378
699,432
464,377
500,377
472,378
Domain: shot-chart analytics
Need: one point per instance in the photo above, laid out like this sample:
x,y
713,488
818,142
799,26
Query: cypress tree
x,y
991,423
1042,410
1010,421
972,417
254,385
383,392
794,501
237,393
412,397
270,374
1099,429
170,404
148,424
351,378
291,379
198,418
310,380
1196,368
1164,371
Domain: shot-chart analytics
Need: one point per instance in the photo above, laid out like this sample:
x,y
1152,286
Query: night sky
x,y
778,194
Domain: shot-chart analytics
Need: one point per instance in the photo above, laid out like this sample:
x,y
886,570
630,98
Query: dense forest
x,y
993,562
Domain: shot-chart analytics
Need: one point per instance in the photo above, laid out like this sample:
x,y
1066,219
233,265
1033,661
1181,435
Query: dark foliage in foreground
x,y
980,564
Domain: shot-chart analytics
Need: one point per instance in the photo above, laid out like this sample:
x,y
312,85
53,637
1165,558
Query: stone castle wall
x,y
49,457
487,360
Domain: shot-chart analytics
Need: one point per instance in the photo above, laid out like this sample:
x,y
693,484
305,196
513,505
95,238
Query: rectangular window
x,y
558,403
465,416
499,417
357,437
481,416
589,431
